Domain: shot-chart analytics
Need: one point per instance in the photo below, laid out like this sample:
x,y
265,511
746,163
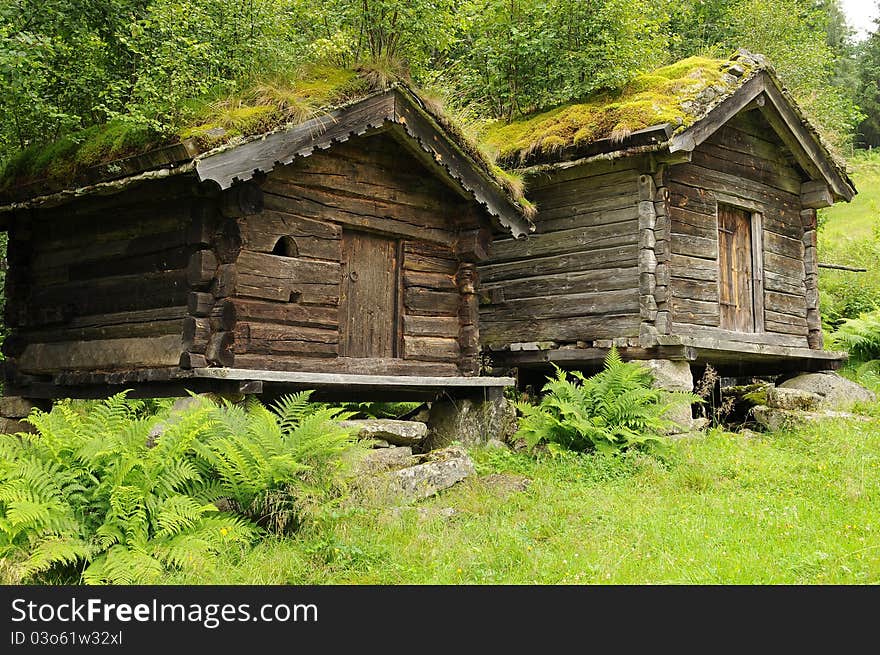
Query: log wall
x,y
174,274
577,277
276,306
101,283
744,165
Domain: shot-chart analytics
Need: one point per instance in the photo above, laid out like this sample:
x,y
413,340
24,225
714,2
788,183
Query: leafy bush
x,y
613,410
110,496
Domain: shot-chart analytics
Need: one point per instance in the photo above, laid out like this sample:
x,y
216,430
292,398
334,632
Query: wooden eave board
x,y
376,113
786,121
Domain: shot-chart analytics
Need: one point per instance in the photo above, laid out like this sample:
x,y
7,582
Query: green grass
x,y
855,220
723,508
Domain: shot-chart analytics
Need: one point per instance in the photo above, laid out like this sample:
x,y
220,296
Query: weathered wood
x,y
193,360
579,261
427,302
611,279
431,326
354,380
441,281
219,349
200,304
241,200
201,269
101,354
432,349
694,289
558,329
685,310
566,241
369,310
316,239
735,265
757,251
240,310
349,365
584,304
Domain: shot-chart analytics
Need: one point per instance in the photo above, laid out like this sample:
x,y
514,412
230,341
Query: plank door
x,y
368,302
735,263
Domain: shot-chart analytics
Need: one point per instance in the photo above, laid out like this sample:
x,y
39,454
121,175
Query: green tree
x,y
868,95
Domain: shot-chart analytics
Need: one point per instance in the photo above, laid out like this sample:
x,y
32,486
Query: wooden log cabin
x,y
338,253
677,222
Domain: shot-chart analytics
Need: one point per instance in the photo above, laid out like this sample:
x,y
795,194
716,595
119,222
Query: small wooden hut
x,y
676,220
338,253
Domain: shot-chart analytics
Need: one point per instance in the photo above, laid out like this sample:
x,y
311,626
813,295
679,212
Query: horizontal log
x,y
782,245
693,246
245,331
314,239
431,326
781,265
109,354
426,302
578,261
612,279
605,326
695,311
441,281
566,241
734,339
783,283
693,268
292,270
361,205
263,288
103,332
785,303
600,203
694,289
431,349
106,295
252,311
423,263
583,304
586,216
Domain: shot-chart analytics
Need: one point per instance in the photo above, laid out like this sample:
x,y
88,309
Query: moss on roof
x,y
259,108
678,94
253,110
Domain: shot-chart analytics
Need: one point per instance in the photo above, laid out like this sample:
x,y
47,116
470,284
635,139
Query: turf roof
x,y
76,160
678,94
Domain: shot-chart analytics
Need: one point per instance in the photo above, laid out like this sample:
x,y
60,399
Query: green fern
x,y
859,336
611,411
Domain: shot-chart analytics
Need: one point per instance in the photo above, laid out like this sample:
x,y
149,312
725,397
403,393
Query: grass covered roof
x,y
678,94
96,153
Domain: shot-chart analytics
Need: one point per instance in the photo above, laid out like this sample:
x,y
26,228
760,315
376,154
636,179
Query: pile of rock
x,y
810,397
391,473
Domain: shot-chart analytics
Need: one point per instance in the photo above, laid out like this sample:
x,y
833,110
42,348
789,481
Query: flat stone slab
x,y
398,433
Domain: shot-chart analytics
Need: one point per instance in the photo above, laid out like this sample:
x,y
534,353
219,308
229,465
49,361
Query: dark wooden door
x,y
368,303
735,263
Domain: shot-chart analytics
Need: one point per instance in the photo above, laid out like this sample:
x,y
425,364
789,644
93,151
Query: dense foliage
x,y
614,410
111,493
152,63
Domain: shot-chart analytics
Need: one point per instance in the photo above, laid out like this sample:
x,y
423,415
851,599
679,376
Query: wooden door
x,y
735,263
368,302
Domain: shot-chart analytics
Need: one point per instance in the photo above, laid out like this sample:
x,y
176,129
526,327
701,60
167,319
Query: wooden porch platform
x,y
728,357
171,382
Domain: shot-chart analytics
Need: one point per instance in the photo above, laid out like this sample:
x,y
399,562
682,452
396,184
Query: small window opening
x,y
286,247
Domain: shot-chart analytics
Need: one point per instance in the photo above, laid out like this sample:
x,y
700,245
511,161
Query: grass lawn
x,y
855,220
798,507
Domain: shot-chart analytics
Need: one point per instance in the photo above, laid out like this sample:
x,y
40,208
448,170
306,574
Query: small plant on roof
x,y
614,410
